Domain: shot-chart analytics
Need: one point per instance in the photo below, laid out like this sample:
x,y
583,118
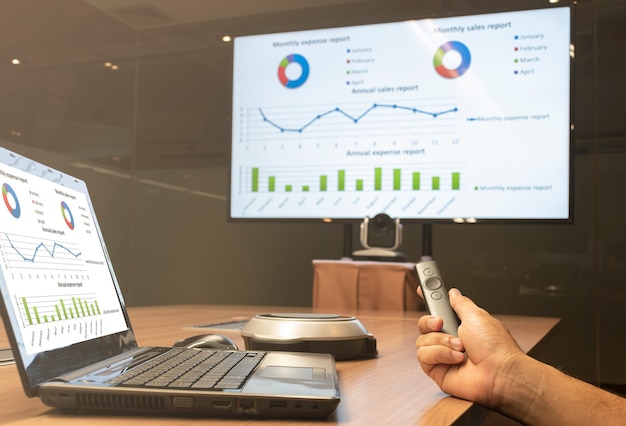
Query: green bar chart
x,y
255,179
397,181
456,181
344,179
378,179
323,183
436,183
341,180
416,181
51,309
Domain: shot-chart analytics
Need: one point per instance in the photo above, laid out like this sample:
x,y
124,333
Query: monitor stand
x,y
347,240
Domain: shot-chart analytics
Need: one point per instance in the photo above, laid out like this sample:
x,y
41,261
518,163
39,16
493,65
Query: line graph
x,y
27,252
351,120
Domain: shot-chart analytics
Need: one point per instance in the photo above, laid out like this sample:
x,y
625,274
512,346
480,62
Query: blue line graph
x,y
30,252
354,118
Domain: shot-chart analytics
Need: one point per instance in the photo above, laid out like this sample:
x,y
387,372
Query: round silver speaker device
x,y
340,335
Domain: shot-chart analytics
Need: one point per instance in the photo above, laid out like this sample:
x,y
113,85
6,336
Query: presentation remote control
x,y
436,295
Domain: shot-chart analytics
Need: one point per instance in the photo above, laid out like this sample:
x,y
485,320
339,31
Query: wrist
x,y
518,388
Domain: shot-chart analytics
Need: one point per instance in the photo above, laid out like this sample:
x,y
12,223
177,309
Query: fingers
x,y
433,355
429,323
437,351
439,339
439,347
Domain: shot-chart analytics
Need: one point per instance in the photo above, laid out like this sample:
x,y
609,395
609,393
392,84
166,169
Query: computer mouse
x,y
207,341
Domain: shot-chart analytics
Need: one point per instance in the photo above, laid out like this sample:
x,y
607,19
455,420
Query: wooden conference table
x,y
388,390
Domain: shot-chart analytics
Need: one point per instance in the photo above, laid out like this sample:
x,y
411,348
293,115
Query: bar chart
x,y
37,310
355,179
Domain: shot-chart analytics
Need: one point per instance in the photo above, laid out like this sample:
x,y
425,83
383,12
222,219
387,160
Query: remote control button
x,y
432,283
436,295
429,271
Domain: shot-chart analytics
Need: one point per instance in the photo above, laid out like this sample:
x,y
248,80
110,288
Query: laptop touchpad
x,y
299,373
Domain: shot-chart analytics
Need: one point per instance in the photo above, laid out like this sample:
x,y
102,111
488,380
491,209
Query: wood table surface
x,y
390,389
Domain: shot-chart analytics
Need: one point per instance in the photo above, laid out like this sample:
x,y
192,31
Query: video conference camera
x,y
380,237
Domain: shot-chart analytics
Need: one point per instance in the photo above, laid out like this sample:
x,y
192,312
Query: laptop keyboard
x,y
198,369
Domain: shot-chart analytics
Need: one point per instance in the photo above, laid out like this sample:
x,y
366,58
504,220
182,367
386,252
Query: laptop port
x,y
278,404
183,401
247,406
220,403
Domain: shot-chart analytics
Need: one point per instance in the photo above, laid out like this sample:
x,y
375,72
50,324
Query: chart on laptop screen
x,y
53,264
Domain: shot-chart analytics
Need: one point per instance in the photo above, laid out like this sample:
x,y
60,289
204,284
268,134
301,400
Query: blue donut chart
x,y
6,191
452,46
67,215
282,68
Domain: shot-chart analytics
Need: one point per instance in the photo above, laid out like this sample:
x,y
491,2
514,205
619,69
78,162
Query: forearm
x,y
538,394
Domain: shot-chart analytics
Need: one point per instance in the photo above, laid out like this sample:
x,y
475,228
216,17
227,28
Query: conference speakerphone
x,y
340,335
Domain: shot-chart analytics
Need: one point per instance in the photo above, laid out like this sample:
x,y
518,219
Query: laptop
x,y
71,335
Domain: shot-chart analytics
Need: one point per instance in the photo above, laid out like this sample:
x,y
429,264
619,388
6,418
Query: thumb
x,y
462,305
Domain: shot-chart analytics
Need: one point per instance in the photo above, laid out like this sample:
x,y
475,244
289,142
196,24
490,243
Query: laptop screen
x,y
56,281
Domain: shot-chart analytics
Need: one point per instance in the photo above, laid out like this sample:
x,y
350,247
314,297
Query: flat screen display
x,y
463,118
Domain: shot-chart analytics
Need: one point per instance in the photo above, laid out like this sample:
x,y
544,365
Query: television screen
x,y
463,118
